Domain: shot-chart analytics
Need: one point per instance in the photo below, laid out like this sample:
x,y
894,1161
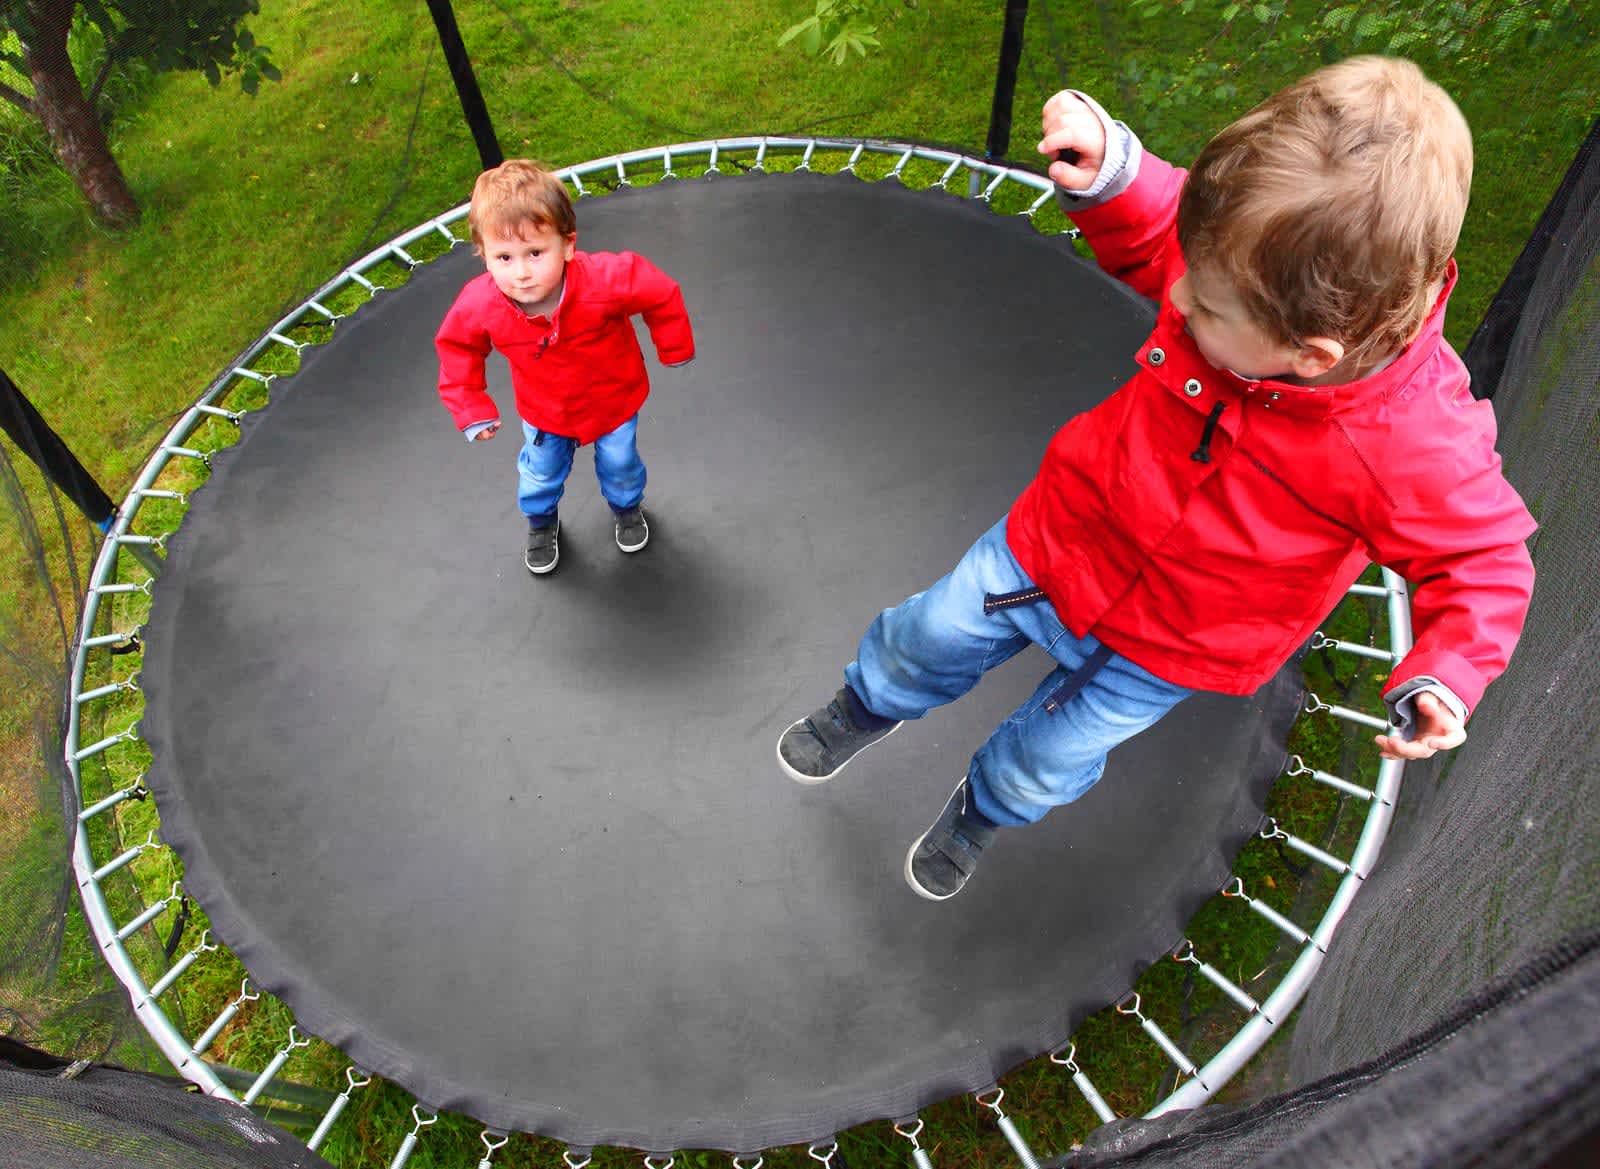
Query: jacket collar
x,y
1171,355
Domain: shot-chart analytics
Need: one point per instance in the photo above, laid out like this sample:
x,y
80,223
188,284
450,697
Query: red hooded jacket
x,y
578,373
1211,574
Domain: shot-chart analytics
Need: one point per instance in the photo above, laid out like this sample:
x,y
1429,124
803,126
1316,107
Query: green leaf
x,y
1369,24
811,39
795,30
1230,12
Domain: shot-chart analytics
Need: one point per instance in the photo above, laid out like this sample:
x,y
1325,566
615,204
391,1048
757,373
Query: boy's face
x,y
528,266
1227,336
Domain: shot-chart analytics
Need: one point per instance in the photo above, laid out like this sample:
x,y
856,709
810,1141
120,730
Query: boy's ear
x,y
1315,356
569,245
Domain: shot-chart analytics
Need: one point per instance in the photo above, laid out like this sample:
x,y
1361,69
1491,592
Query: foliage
x,y
839,27
202,35
1472,36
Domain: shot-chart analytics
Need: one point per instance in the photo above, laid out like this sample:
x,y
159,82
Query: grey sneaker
x,y
944,856
816,748
632,531
543,550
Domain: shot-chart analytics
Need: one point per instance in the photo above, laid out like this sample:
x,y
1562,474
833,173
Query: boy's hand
x,y
487,432
1070,125
1438,729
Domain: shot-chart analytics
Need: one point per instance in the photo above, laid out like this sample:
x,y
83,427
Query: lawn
x,y
251,203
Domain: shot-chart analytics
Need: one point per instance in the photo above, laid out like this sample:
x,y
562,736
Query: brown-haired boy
x,y
561,319
1295,414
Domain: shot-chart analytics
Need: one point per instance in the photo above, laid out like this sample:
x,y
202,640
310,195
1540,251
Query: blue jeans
x,y
933,647
545,463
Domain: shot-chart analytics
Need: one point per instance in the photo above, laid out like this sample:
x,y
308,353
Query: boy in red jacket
x,y
561,319
1295,414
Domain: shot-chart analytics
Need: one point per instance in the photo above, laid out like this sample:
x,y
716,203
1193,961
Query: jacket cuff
x,y
1402,702
1117,170
472,429
1450,675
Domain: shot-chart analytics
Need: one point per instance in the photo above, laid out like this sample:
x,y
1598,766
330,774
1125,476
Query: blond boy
x,y
560,317
1295,413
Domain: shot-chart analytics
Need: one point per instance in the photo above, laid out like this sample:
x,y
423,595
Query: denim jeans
x,y
933,647
545,463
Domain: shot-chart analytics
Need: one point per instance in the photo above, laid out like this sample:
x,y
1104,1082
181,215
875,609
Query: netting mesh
x,y
1496,852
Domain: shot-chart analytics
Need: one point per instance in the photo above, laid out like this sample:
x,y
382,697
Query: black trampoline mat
x,y
521,844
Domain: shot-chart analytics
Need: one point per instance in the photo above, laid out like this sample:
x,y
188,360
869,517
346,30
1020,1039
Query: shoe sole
x,y
813,780
551,567
634,547
917,843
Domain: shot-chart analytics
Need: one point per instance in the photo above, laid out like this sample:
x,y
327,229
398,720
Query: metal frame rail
x,y
984,180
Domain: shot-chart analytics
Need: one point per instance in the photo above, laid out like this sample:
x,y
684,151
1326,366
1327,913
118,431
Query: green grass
x,y
252,203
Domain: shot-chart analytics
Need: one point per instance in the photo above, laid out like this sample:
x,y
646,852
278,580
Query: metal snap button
x,y
1192,387
1157,356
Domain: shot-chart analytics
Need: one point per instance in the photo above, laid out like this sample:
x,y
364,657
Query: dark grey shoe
x,y
543,549
632,531
944,856
816,748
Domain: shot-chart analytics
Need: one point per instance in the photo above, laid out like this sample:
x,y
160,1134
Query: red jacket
x,y
578,373
1211,574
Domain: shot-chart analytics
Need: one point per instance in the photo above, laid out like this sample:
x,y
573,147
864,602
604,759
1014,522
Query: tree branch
x,y
100,78
21,100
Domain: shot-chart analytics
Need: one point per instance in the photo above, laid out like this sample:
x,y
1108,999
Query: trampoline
x,y
519,844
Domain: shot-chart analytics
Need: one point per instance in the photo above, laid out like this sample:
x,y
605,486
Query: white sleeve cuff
x,y
1402,703
1117,170
474,429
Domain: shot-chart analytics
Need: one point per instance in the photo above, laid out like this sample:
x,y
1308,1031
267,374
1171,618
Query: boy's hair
x,y
517,192
1334,205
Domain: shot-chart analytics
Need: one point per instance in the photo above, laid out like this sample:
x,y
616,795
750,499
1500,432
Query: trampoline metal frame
x,y
985,180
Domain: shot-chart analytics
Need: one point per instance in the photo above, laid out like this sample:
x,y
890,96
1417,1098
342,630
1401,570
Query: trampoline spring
x,y
209,1036
249,374
232,416
855,156
911,1130
659,1160
994,185
135,791
748,1161
1081,1081
577,1158
760,166
1130,1006
274,1065
404,257
900,165
1320,640
1315,705
187,453
622,175
1235,888
408,1146
145,918
1272,831
949,173
288,342
336,1109
1007,1126
1186,953
122,687
110,639
330,316
1038,203
107,590
493,1141
1297,766
204,946
131,735
358,278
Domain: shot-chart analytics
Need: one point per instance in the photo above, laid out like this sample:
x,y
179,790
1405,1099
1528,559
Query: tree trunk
x,y
70,121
